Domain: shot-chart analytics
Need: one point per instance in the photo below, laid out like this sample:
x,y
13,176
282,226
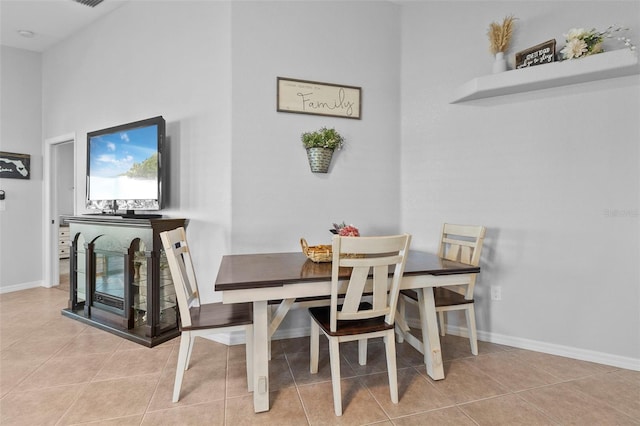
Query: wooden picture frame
x,y
15,166
317,98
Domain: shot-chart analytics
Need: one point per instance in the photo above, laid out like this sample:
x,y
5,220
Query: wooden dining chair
x,y
355,319
458,243
197,319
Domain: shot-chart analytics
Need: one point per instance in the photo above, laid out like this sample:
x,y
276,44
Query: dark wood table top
x,y
245,271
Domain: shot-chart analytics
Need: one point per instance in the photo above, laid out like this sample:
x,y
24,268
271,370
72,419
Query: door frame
x,y
49,219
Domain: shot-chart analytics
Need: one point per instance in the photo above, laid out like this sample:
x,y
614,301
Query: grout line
x,y
295,384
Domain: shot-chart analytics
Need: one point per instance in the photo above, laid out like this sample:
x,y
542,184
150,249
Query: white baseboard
x,y
552,348
23,286
238,338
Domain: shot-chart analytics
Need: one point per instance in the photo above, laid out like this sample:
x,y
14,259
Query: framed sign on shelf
x,y
543,53
313,97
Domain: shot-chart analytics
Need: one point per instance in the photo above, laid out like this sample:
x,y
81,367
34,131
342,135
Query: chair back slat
x,y
182,272
370,259
463,243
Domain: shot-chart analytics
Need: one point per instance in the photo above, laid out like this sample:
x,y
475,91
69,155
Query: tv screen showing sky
x,y
124,164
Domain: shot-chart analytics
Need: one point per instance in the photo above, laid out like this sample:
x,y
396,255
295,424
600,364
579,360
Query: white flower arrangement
x,y
581,42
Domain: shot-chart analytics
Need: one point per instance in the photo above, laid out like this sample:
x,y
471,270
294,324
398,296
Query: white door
x,y
59,191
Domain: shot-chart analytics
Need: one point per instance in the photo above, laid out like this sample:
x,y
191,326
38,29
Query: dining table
x,y
287,277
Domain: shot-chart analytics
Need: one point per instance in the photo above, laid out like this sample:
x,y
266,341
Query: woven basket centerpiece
x,y
319,253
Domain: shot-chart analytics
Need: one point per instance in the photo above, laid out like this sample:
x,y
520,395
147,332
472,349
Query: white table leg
x,y
430,337
260,356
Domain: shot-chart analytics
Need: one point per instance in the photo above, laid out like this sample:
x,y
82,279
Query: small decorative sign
x,y
312,97
15,166
543,53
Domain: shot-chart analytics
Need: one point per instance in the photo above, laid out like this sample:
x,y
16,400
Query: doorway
x,y
60,195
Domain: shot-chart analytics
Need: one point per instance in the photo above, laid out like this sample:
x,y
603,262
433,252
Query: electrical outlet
x,y
496,292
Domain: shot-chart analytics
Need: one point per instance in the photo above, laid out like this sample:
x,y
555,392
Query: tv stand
x,y
120,280
131,214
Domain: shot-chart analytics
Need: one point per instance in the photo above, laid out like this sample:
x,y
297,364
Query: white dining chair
x,y
354,319
197,319
458,243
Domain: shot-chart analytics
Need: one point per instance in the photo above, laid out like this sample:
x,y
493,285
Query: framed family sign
x,y
313,97
16,166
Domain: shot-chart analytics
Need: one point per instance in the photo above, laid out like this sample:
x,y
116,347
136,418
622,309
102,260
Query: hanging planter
x,y
319,159
320,146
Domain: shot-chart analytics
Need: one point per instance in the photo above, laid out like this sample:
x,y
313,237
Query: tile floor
x,y
57,371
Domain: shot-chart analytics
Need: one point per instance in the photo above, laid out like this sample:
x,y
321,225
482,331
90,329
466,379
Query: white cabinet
x,y
64,243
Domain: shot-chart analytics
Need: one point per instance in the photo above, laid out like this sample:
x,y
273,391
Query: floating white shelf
x,y
617,63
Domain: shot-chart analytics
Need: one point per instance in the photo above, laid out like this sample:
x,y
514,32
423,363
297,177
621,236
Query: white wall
x,y
178,67
276,198
569,273
544,171
21,132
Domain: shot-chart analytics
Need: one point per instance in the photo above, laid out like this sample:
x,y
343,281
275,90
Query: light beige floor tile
x,y
299,364
211,413
631,376
564,404
12,333
134,362
47,349
237,379
463,383
206,350
285,409
279,374
202,382
59,327
88,342
506,368
561,367
135,420
295,345
64,371
108,399
38,407
444,417
376,358
505,410
407,355
236,353
455,347
415,393
613,389
34,349
13,370
358,405
277,350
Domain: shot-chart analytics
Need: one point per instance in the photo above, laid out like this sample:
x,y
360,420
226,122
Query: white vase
x,y
500,63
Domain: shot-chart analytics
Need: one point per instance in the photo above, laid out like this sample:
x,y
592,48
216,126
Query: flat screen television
x,y
124,167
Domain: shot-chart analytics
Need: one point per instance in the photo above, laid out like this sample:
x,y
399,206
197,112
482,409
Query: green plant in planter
x,y
323,138
320,146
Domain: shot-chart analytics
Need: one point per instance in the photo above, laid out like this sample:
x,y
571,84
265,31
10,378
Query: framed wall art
x,y
15,166
313,97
